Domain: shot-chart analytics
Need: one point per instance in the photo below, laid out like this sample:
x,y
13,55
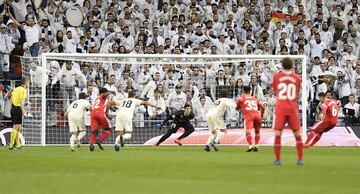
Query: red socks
x,y
93,138
257,138
299,147
316,139
249,138
310,137
105,135
277,147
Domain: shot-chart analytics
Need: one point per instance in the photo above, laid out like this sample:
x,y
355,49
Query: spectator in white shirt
x,y
326,34
35,78
342,86
176,99
256,89
110,85
32,33
150,87
317,46
200,110
353,105
121,93
69,43
67,77
4,42
349,56
157,114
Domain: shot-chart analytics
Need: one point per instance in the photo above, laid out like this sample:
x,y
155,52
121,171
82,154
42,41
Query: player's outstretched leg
x,y
277,147
249,140
210,140
188,130
316,139
164,137
310,136
257,140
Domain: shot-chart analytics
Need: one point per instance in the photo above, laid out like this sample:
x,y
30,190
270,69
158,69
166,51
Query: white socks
x,y
220,136
117,140
211,139
81,135
72,141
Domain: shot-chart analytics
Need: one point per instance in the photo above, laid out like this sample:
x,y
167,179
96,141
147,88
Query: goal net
x,y
157,78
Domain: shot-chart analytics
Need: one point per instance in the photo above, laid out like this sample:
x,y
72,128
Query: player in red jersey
x,y
328,119
250,106
287,85
99,119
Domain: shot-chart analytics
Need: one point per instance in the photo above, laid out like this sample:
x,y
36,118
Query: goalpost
x,y
45,124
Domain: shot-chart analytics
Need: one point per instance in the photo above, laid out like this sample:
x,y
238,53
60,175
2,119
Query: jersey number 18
x,y
127,104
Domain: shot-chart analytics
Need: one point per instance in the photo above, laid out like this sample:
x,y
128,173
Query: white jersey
x,y
78,107
220,107
127,106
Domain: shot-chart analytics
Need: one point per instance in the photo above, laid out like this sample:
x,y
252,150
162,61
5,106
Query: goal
x,y
146,73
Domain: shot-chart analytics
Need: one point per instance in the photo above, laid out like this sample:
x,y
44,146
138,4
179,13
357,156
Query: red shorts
x,y
323,126
292,119
252,121
99,120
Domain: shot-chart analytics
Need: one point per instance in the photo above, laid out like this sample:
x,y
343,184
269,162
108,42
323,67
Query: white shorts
x,y
215,122
123,123
76,123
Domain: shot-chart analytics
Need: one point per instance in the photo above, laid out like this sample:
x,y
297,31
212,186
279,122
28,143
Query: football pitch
x,y
178,170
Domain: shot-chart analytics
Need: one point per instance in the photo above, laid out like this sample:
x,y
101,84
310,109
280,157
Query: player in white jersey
x,y
214,119
75,113
123,126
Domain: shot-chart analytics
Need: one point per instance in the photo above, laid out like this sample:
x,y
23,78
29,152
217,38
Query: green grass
x,y
172,170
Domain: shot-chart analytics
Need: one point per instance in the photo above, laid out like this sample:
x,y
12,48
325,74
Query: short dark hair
x,y
24,80
247,89
132,94
187,105
103,90
322,94
287,63
82,95
224,93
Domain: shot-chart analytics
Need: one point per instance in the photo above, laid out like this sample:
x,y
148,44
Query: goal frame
x,y
46,56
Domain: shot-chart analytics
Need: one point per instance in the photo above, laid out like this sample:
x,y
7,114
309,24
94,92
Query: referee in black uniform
x,y
180,119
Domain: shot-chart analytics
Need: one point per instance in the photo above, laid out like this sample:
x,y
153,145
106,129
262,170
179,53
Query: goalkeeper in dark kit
x,y
180,119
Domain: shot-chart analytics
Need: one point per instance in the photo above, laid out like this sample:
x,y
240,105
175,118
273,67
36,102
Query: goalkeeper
x,y
180,119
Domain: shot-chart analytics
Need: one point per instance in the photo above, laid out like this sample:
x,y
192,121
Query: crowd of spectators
x,y
327,31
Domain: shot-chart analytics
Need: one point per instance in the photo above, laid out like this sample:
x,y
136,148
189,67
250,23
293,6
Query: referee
x,y
18,97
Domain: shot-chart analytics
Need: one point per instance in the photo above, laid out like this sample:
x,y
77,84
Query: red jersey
x,y
249,105
330,110
287,88
99,105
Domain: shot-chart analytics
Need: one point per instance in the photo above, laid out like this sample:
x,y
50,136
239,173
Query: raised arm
x,y
15,21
